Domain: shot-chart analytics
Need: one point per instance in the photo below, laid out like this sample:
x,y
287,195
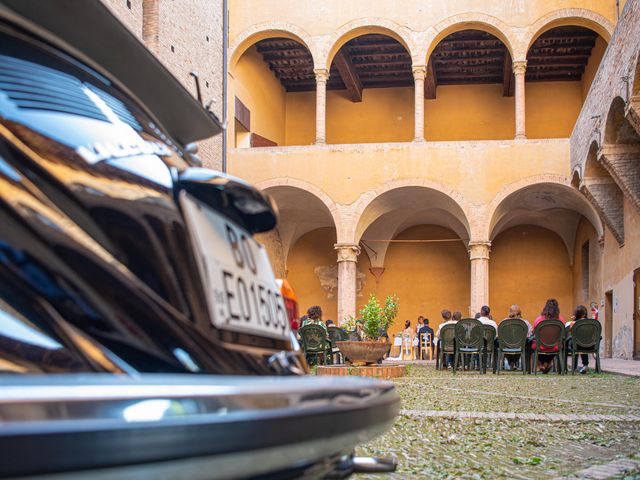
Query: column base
x,y
419,139
320,142
520,136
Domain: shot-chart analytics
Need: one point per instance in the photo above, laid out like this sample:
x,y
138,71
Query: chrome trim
x,y
61,398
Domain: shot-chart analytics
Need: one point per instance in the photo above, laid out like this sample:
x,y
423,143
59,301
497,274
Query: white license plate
x,y
241,290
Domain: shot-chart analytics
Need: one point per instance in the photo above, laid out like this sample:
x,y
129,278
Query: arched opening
x,y
471,72
561,65
370,91
414,245
301,248
618,131
274,94
537,239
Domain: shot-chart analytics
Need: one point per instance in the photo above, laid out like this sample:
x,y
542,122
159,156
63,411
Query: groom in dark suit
x,y
426,329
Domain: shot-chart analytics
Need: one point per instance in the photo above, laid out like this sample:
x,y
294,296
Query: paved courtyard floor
x,y
513,426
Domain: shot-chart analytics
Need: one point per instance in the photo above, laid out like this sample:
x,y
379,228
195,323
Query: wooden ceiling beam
x,y
349,75
430,81
508,78
370,63
396,56
497,59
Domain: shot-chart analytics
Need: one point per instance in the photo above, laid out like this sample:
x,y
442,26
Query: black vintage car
x,y
142,334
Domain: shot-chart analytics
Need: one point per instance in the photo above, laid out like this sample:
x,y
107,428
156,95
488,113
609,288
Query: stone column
x,y
519,69
419,72
479,256
347,262
322,75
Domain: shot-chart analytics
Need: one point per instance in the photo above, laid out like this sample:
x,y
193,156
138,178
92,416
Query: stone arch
x,y
580,17
617,129
265,30
360,27
466,21
454,202
560,195
576,177
303,208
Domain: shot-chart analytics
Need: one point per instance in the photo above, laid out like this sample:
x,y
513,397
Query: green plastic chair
x,y
315,343
469,341
512,338
549,333
586,334
336,334
489,343
446,345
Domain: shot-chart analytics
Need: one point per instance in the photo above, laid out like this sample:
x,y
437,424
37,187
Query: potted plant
x,y
372,325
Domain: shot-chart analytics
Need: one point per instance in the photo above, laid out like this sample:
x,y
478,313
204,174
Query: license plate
x,y
240,287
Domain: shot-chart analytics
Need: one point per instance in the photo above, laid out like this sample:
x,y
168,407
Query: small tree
x,y
376,319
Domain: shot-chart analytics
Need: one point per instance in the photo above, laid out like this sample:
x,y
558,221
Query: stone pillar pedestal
x,y
419,72
479,256
322,75
347,262
519,69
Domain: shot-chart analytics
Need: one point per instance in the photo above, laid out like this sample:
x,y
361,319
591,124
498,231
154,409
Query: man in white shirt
x,y
484,317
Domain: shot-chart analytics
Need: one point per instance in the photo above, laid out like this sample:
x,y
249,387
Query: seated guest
x,y
446,317
329,323
424,330
477,315
408,335
580,313
448,320
420,323
485,319
551,311
516,312
314,317
416,339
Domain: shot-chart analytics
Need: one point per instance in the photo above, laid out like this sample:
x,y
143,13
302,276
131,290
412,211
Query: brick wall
x,y
614,78
189,38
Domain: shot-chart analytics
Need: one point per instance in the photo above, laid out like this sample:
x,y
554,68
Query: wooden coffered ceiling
x,y
560,54
465,57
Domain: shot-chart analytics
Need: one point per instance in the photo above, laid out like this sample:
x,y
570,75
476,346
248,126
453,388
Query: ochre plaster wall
x,y
478,170
592,65
528,265
258,88
384,115
469,112
300,122
427,277
584,233
552,108
313,250
617,276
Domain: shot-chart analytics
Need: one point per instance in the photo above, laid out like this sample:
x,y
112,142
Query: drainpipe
x,y
617,10
225,47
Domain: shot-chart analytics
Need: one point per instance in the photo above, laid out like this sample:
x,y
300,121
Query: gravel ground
x,y
431,447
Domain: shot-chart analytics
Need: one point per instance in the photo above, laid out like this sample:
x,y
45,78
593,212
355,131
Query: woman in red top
x,y
551,311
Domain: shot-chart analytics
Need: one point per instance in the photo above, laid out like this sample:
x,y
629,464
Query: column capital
x,y
347,252
519,67
419,72
322,75
479,250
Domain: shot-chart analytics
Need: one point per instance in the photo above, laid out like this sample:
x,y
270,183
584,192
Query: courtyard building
x,y
454,153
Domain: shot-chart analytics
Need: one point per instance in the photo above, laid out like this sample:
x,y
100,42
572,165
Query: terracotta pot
x,y
362,353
